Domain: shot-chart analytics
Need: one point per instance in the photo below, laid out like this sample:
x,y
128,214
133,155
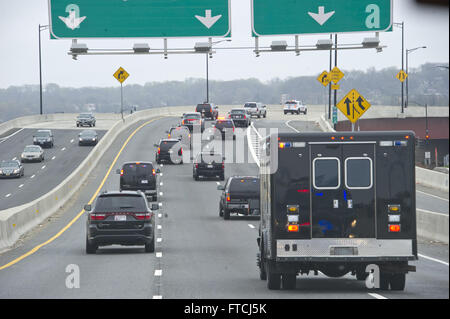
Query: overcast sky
x,y
424,25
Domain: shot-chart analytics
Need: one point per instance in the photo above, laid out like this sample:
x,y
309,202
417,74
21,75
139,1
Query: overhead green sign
x,y
286,17
139,18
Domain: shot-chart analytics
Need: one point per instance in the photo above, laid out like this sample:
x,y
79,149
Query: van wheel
x,y
90,248
273,279
288,281
220,211
226,214
150,248
398,281
261,262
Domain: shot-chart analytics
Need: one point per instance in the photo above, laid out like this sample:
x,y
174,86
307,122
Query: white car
x,y
255,109
295,107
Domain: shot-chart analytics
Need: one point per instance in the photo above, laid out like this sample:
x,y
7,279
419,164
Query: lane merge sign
x,y
401,76
139,18
353,105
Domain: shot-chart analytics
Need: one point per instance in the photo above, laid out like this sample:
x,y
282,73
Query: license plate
x,y
170,152
120,218
144,181
210,166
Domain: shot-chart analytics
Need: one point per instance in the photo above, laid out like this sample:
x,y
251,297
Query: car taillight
x,y
181,151
293,228
154,172
94,216
223,165
159,150
394,228
228,197
196,165
182,122
142,216
121,172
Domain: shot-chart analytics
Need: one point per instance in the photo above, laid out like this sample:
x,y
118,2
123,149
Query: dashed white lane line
x,y
159,255
160,193
160,204
158,272
158,240
161,184
434,259
71,141
63,149
158,227
157,297
32,176
159,215
7,195
377,296
218,183
251,226
21,185
14,158
43,167
53,157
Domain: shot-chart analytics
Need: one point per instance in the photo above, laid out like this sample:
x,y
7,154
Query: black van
x,y
338,203
141,176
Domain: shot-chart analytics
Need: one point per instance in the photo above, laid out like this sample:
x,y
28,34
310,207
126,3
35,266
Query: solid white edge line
x,y
428,194
377,296
434,259
430,212
6,137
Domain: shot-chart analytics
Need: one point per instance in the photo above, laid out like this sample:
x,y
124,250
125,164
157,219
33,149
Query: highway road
x,y
198,254
40,177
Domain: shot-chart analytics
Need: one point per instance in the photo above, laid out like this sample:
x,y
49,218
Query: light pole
x,y
41,28
408,51
402,26
207,68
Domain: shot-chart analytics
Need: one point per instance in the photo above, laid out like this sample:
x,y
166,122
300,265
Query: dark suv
x,y
208,110
240,195
169,150
43,138
139,176
193,119
209,165
225,127
122,218
86,119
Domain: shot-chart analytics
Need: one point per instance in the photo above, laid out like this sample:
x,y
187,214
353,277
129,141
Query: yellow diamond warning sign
x,y
336,75
353,105
324,78
401,76
121,75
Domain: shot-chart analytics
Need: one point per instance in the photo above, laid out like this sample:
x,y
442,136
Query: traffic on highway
x,y
248,196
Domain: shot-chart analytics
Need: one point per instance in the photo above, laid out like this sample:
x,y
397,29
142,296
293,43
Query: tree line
x,y
428,83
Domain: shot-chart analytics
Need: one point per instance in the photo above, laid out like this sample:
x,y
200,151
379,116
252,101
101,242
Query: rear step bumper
x,y
343,249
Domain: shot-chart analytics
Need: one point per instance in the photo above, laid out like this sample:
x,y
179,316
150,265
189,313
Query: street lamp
x,y
41,28
408,52
199,49
402,25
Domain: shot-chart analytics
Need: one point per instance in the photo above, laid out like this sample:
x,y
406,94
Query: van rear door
x,y
343,189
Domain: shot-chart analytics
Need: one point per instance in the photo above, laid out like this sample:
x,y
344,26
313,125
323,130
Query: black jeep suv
x,y
121,218
139,176
209,165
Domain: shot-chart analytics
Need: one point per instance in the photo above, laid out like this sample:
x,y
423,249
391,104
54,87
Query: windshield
x,y
245,185
291,102
32,149
118,203
84,115
42,134
133,171
237,111
167,145
9,164
203,107
250,105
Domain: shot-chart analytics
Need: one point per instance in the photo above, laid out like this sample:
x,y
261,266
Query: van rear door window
x,y
326,173
358,173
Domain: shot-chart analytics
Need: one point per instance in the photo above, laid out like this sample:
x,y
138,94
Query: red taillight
x,y
159,150
196,165
142,216
93,216
223,165
228,197
181,151
153,171
293,228
394,228
121,172
303,190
